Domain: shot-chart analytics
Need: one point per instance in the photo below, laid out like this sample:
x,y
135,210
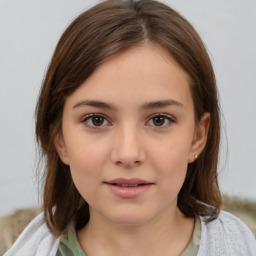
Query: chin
x,y
129,218
128,221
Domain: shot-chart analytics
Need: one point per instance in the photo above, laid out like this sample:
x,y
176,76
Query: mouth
x,y
128,185
121,182
128,188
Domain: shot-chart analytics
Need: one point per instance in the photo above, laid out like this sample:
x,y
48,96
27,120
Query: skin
x,y
130,143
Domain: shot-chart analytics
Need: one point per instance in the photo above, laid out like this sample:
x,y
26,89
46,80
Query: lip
x,y
128,188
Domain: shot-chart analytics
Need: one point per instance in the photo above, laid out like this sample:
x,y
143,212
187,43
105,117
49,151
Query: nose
x,y
127,149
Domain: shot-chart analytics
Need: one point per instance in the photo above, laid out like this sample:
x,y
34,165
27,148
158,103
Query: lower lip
x,y
129,192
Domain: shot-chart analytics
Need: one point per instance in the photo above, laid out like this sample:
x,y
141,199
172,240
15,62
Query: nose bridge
x,y
128,149
129,138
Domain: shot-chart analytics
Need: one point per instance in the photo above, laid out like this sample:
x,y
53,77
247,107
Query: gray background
x,y
29,31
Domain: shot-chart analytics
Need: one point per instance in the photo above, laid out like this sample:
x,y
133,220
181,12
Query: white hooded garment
x,y
225,236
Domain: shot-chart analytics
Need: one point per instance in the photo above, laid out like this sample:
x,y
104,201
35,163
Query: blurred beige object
x,y
12,225
244,209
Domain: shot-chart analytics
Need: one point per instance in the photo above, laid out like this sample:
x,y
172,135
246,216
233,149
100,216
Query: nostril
x,y
119,163
128,164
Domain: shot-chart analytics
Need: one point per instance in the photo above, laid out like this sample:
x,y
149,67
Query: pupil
x,y
159,121
97,120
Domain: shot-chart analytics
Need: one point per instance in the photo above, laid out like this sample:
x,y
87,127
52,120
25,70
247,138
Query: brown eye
x,y
98,120
95,120
159,120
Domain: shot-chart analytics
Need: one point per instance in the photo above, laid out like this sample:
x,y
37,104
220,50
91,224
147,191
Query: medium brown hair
x,y
97,34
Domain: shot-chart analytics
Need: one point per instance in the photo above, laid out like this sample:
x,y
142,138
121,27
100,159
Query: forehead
x,y
139,74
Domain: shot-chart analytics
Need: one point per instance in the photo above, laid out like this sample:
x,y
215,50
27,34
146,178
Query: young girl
x,y
128,123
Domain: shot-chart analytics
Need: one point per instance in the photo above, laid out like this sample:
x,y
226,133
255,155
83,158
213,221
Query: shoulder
x,y
36,239
227,235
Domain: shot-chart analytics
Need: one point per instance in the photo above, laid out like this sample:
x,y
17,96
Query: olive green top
x,y
69,245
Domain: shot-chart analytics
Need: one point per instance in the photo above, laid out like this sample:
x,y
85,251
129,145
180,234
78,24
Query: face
x,y
128,134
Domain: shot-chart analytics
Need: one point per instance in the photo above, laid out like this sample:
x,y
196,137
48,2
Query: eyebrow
x,y
161,104
145,106
95,103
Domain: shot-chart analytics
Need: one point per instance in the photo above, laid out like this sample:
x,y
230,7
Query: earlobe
x,y
61,148
200,138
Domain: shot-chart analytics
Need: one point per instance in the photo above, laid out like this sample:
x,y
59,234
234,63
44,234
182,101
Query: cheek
x,y
85,166
171,153
86,162
84,151
86,159
170,160
171,164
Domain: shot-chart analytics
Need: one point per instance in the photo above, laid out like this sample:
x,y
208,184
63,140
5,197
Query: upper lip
x,y
123,181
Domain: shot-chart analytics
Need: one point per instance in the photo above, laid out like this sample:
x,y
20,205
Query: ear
x,y
61,148
200,137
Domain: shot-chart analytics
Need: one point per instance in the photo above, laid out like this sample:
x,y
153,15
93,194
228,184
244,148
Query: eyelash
x,y
165,117
89,117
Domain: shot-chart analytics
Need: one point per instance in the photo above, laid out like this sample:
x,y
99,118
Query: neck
x,y
167,235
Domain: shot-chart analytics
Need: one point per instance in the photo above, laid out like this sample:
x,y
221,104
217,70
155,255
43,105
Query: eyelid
x,y
170,118
87,117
